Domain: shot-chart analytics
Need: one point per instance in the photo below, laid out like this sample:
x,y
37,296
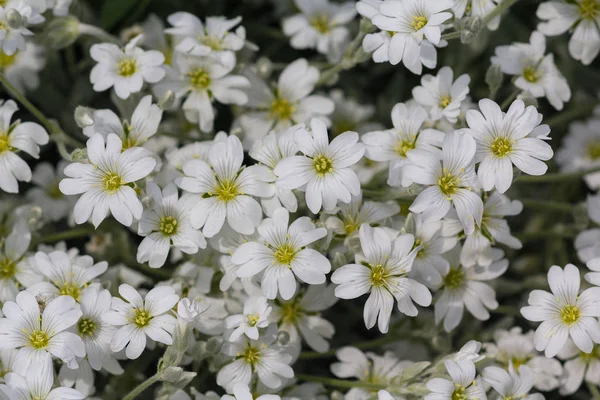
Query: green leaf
x,y
114,10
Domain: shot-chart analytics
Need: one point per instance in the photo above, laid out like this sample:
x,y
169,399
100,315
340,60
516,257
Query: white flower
x,y
213,37
37,335
323,171
351,216
320,25
463,385
416,26
442,95
226,187
536,73
96,333
144,123
137,317
15,137
477,8
580,16
8,362
429,261
282,255
289,104
15,269
46,194
125,69
395,144
36,383
587,244
518,348
512,384
504,139
23,67
464,287
564,313
450,181
578,367
241,391
260,358
269,151
165,224
368,367
67,277
189,311
255,315
105,181
301,316
201,80
594,276
12,38
580,150
381,270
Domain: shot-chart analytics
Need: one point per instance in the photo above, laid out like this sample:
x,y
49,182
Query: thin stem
x,y
98,33
141,387
556,177
74,233
509,100
547,205
451,35
338,383
505,5
593,390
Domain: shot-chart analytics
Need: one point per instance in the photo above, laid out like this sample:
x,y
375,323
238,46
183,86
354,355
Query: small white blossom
x,y
442,95
511,384
463,384
255,315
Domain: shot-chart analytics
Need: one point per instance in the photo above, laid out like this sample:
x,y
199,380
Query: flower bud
x,y
264,66
283,338
62,32
171,374
84,116
493,78
79,155
366,26
167,100
14,19
213,345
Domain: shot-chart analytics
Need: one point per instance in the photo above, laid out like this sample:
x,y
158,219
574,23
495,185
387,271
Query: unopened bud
x,y
213,345
366,26
131,32
14,19
84,116
472,24
283,338
62,32
167,100
467,36
79,155
337,396
493,78
264,66
171,374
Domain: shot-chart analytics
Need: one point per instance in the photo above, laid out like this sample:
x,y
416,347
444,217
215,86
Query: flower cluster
x,y
302,200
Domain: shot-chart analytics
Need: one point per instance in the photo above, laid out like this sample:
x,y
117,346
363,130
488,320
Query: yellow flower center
x,y
454,279
350,226
4,142
404,146
448,183
531,74
518,361
86,326
6,60
141,318
38,339
199,79
323,165
570,314
459,392
128,143
168,226
379,275
8,268
227,190
126,67
112,182
501,147
70,289
285,254
593,151
418,22
445,101
418,243
53,191
251,355
291,312
320,23
253,319
589,9
282,110
214,43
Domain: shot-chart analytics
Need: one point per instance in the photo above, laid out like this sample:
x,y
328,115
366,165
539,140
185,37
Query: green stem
x,y
141,387
577,111
509,100
556,177
338,383
451,35
547,205
593,390
74,233
505,5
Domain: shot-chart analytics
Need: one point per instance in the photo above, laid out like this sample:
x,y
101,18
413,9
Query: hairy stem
x,y
141,387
